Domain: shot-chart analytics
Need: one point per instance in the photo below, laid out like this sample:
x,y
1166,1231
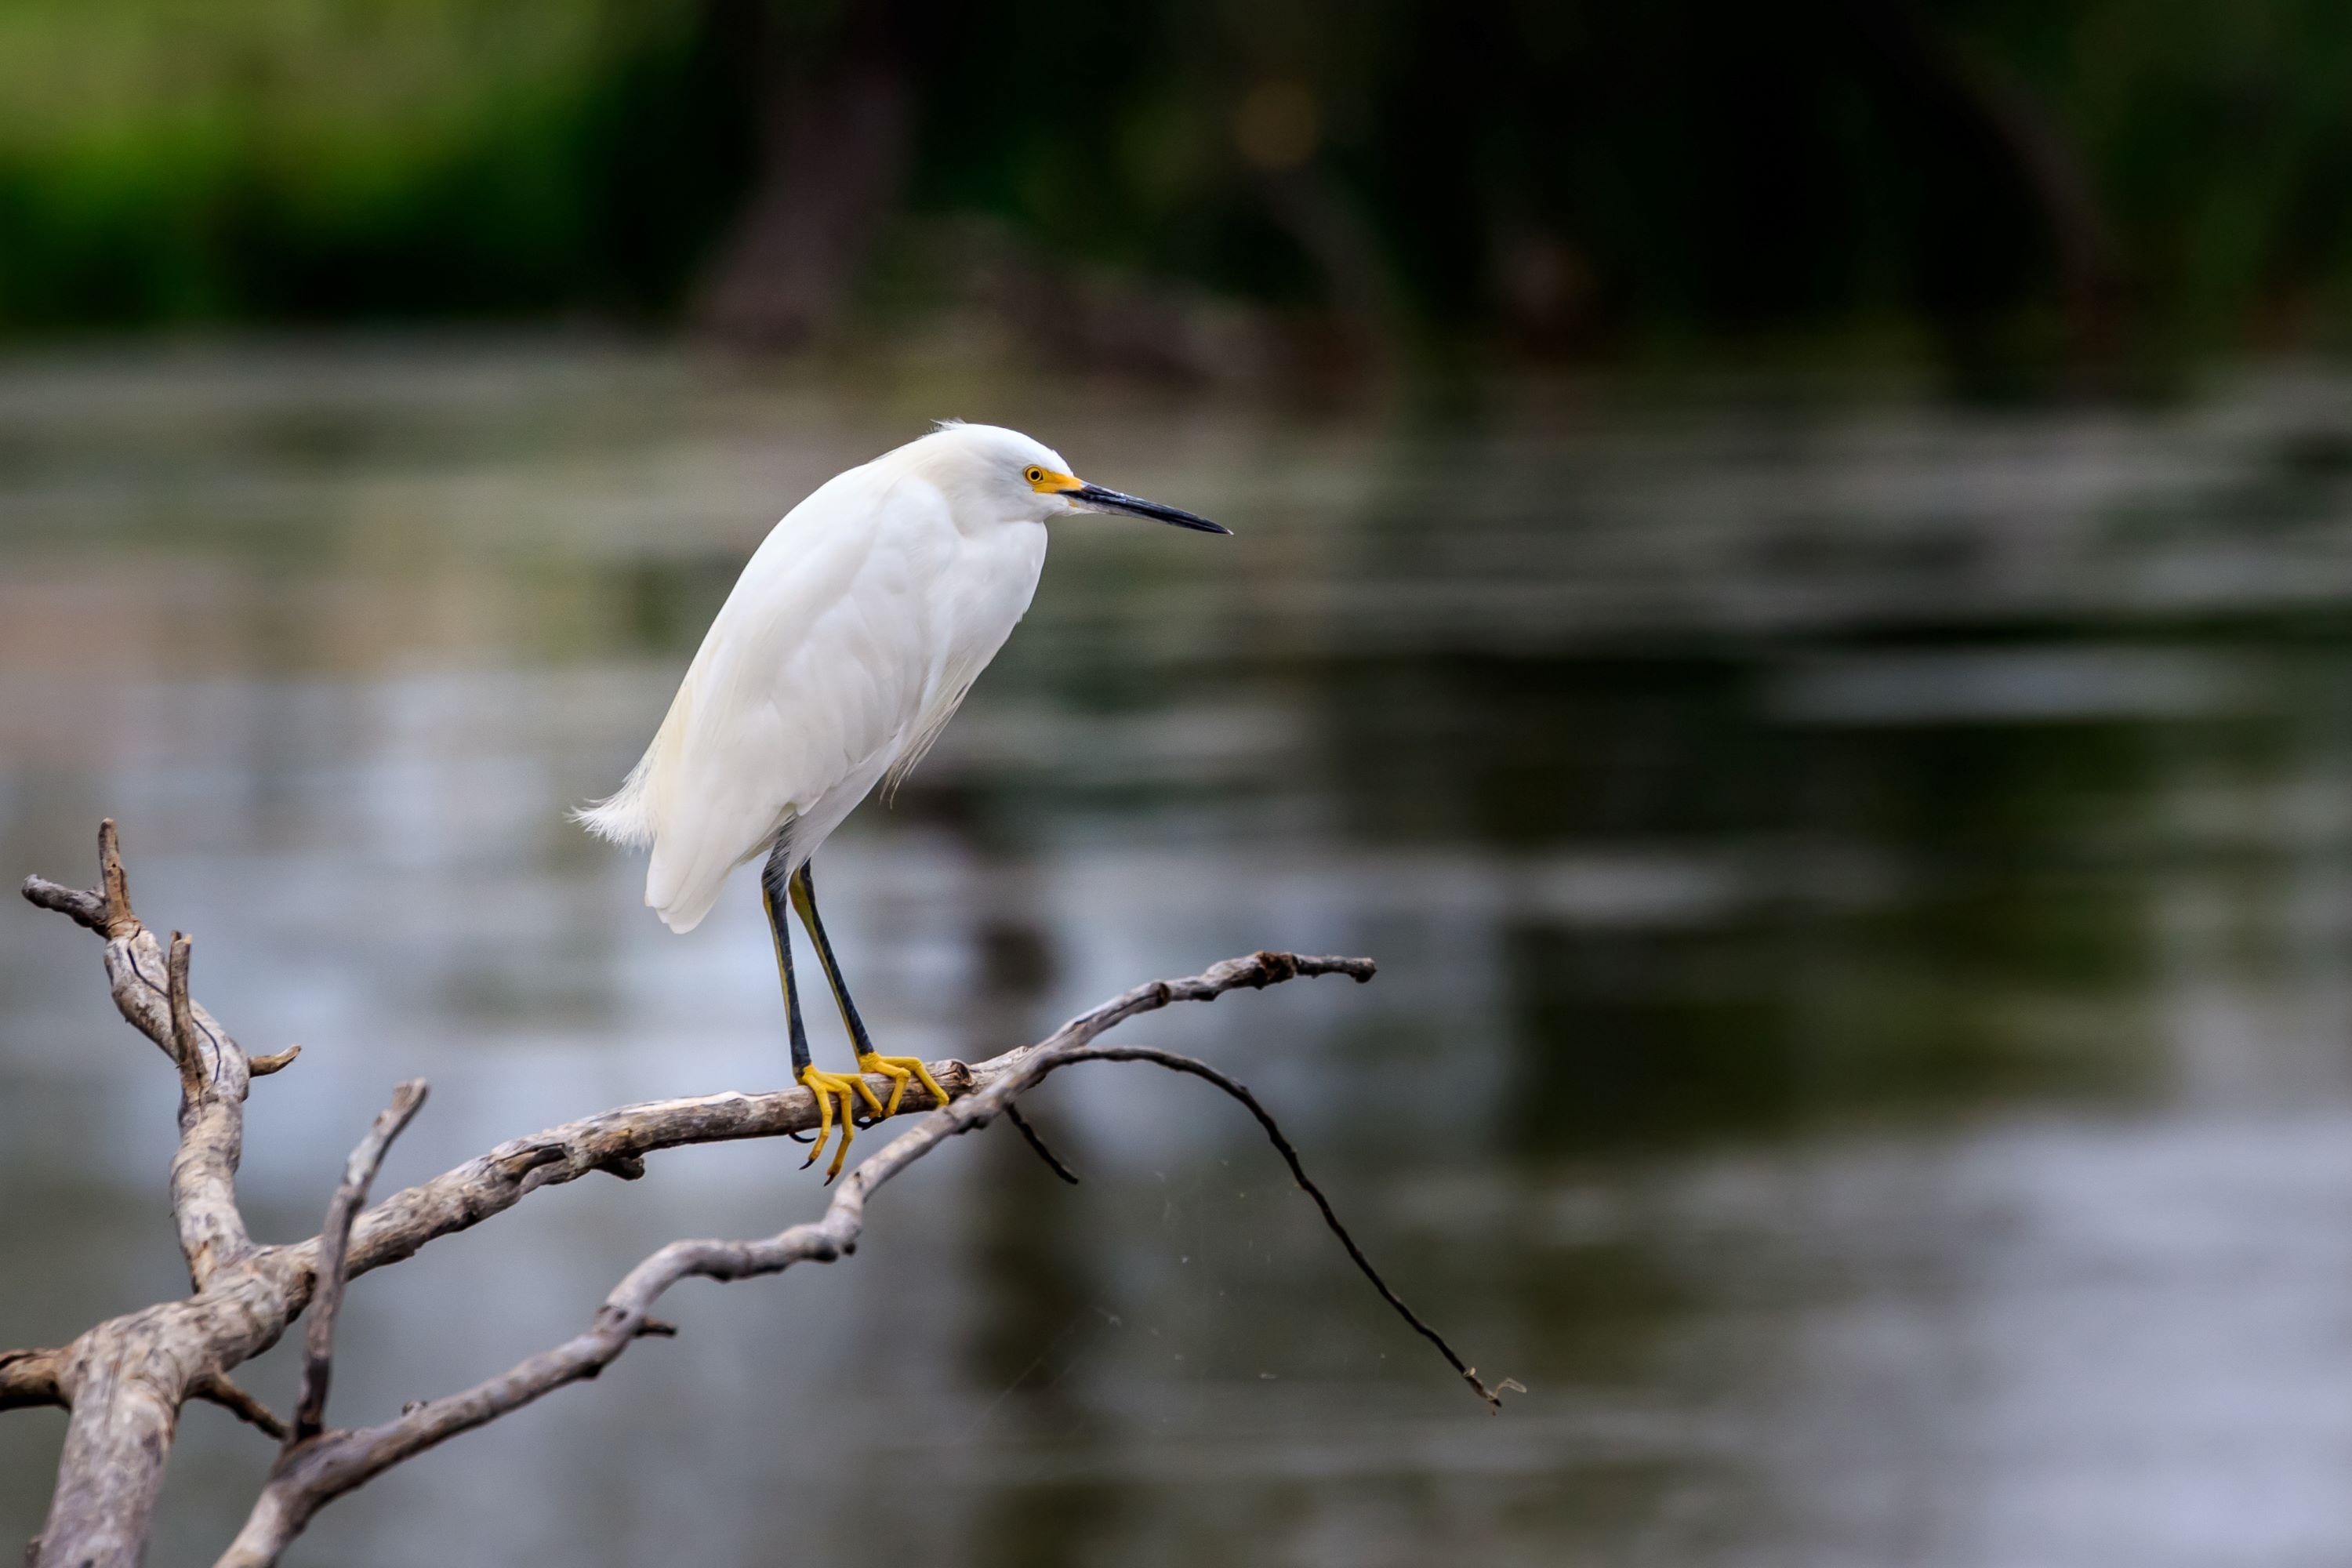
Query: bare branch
x,y
277,1061
125,1379
334,1239
137,967
314,1474
212,1129
151,990
471,1192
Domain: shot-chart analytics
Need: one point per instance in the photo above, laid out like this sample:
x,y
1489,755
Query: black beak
x,y
1096,499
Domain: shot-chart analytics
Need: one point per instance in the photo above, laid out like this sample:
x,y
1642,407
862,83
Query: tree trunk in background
x,y
835,122
2020,134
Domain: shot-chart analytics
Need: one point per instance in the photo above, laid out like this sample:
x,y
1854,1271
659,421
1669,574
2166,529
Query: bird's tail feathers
x,y
631,815
625,816
682,908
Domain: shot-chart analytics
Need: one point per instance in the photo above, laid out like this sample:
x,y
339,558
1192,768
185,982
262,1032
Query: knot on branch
x,y
628,1323
30,1378
1275,967
514,1167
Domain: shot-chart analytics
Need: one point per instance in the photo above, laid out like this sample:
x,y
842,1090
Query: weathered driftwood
x,y
124,1381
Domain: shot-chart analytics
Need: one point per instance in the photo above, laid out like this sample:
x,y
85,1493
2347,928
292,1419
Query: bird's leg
x,y
826,1086
897,1070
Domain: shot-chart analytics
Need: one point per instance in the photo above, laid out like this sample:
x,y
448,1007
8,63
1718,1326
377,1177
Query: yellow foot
x,y
826,1086
899,1070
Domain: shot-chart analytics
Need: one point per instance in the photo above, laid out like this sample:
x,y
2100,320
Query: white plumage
x,y
854,632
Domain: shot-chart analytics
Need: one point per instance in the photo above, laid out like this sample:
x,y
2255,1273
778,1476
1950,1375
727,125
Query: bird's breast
x,y
989,592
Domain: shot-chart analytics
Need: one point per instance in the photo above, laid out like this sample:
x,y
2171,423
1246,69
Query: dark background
x,y
1998,186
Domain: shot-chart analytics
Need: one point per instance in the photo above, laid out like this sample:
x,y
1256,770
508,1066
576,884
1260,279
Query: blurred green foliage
x,y
175,160
1548,175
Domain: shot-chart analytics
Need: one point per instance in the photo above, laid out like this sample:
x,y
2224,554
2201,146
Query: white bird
x,y
855,631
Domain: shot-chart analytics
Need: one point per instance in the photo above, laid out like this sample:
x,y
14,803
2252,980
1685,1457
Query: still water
x,y
1862,890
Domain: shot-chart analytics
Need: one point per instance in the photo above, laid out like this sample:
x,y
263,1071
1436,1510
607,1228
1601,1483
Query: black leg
x,y
804,892
772,896
775,888
899,1070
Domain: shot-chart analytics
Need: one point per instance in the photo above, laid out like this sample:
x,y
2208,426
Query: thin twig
x,y
105,909
1053,1161
1200,1069
84,908
334,1243
215,1388
184,1049
113,885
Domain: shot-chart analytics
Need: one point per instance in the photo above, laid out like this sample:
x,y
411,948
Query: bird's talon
x,y
888,1069
865,1092
899,1070
840,1150
824,1086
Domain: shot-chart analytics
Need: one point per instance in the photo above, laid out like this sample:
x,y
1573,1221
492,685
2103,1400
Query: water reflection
x,y
1863,892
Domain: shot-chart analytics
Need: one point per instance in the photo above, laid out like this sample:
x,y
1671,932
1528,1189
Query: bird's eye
x,y
1034,476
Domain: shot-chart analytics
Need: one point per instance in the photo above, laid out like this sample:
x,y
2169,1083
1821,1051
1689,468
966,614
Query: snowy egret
x,y
855,631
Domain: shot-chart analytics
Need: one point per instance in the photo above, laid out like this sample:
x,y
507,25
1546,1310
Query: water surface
x,y
1862,889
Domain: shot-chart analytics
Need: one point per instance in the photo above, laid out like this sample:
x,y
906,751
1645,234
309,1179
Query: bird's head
x,y
1028,481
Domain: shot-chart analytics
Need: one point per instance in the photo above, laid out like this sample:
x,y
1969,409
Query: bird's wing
x,y
975,608
823,654
924,733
